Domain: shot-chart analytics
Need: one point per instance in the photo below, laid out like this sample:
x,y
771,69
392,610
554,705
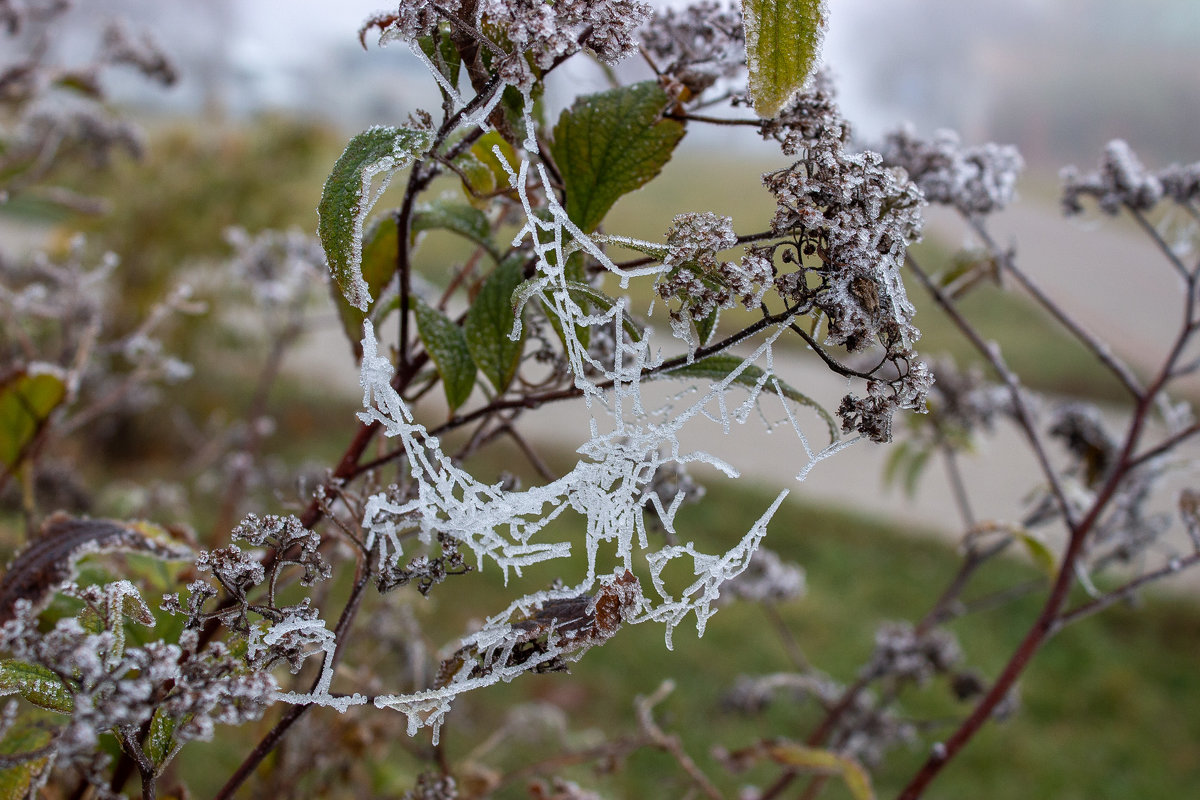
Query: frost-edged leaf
x,y
37,571
608,144
443,55
26,401
379,254
349,195
465,220
37,684
489,322
783,38
719,367
447,346
823,762
656,250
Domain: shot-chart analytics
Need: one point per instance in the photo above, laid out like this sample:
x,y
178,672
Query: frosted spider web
x,y
630,439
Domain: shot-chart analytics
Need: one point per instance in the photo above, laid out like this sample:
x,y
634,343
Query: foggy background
x,y
1058,78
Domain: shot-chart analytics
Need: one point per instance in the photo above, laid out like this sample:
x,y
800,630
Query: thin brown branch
x,y
1096,347
1124,591
991,353
1156,237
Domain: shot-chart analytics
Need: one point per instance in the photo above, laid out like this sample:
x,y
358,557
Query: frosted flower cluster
x,y
1121,181
696,278
524,30
282,268
812,115
845,220
962,400
768,578
857,217
904,654
975,180
697,45
113,686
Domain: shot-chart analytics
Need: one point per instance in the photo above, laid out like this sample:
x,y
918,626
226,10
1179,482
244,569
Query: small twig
x,y
1172,567
671,744
1096,347
992,355
1156,237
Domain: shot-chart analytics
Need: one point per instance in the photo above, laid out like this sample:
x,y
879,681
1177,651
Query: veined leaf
x,y
608,144
450,62
447,346
26,401
782,41
467,221
718,368
489,322
37,684
349,195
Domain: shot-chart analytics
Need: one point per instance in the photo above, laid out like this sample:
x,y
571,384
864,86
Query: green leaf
x,y
25,403
37,684
481,170
160,744
719,367
1038,550
467,221
348,197
608,144
489,322
782,40
824,762
655,250
585,294
707,326
447,346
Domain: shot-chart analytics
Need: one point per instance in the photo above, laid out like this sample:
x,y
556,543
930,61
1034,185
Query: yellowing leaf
x,y
608,144
825,762
783,38
25,403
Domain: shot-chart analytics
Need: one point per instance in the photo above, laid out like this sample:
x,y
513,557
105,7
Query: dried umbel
x,y
975,180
